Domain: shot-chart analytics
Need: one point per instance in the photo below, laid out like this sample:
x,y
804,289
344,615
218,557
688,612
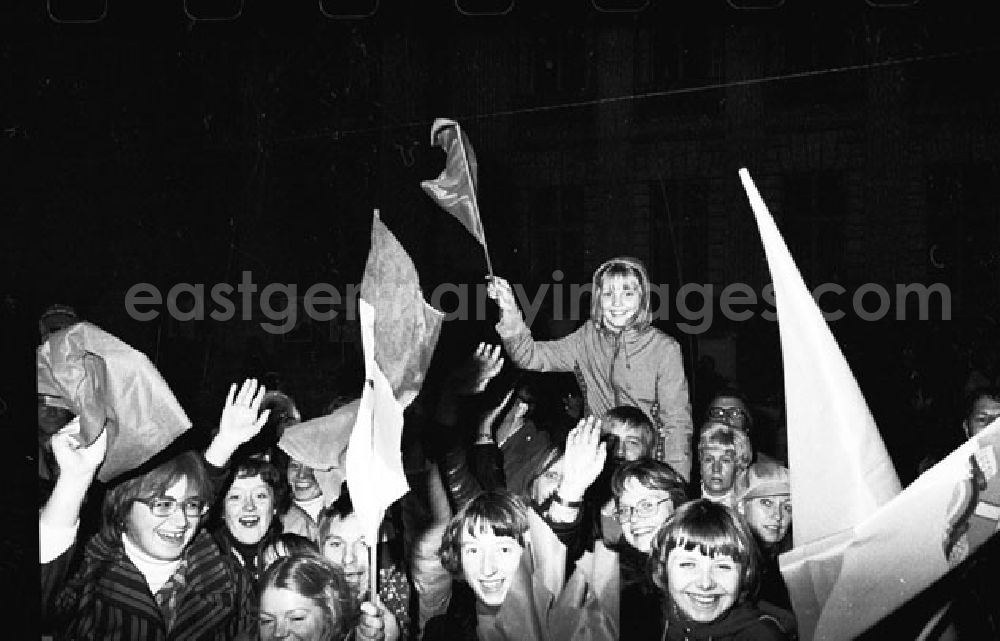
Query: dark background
x,y
153,144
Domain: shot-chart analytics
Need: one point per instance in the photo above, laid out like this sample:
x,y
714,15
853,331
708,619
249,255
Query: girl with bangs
x,y
247,519
618,357
152,571
705,562
511,570
482,545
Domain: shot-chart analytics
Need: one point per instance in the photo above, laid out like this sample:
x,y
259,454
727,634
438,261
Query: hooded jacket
x,y
639,366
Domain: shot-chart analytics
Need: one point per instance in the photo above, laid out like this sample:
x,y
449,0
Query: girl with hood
x,y
617,356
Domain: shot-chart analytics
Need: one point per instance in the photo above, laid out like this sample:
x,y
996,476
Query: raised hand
x,y
76,461
499,290
241,416
241,420
77,466
477,371
584,458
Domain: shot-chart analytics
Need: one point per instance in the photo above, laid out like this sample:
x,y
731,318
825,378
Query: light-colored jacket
x,y
639,366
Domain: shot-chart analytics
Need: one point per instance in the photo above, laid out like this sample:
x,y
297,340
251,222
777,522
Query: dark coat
x,y
108,599
745,622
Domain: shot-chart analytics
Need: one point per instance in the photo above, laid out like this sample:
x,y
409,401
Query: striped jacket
x,y
108,599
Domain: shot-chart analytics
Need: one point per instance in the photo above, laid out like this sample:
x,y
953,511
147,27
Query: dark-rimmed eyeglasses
x,y
642,510
164,506
730,415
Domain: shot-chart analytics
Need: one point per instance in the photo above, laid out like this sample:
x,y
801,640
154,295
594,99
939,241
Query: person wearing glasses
x,y
731,408
152,571
646,492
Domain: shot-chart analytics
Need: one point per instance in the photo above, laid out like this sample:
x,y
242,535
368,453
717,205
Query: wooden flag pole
x,y
376,527
373,568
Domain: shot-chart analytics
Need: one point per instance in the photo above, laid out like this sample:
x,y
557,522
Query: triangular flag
x,y
868,548
375,476
928,529
406,327
827,417
455,190
112,386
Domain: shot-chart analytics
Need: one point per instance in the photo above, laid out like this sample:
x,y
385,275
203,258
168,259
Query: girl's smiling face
x,y
249,509
702,586
620,299
286,614
489,563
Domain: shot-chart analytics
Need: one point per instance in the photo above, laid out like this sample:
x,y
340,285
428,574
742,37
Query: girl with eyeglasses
x,y
152,572
645,493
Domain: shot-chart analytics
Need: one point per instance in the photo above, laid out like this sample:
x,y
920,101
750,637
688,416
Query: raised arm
x,y
460,479
543,356
77,467
59,518
241,420
584,460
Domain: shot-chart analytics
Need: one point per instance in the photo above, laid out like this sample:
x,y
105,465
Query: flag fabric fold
x,y
456,189
110,385
406,327
374,462
912,541
828,418
399,332
862,548
841,473
321,443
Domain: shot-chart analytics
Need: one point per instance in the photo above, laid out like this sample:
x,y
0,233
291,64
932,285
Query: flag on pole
x,y
112,386
399,332
861,548
828,419
456,189
375,475
406,327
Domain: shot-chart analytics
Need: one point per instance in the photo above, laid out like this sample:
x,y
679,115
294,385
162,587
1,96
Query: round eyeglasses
x,y
164,506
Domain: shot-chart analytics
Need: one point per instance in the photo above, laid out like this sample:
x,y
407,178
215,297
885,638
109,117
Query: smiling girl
x,y
705,561
618,357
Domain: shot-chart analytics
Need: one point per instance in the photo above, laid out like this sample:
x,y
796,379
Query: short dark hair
x,y
119,498
976,395
732,392
712,528
656,475
501,511
270,473
315,578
